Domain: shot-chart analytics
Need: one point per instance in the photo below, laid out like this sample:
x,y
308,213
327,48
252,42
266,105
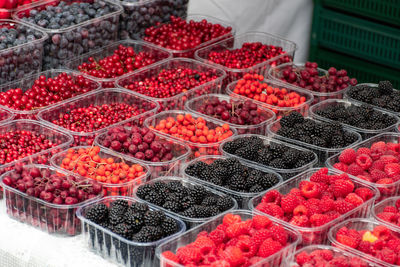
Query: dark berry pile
x,y
272,155
231,174
364,116
329,135
193,201
383,96
11,37
133,222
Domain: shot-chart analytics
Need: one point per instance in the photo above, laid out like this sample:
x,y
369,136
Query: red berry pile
x,y
316,202
182,35
381,242
233,243
391,214
7,6
327,257
310,78
46,91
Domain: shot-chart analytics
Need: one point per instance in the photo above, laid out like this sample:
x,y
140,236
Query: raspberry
x,y
302,258
220,263
261,222
313,207
340,166
354,169
272,196
271,209
269,247
364,193
377,165
393,147
392,169
342,176
259,236
364,161
288,203
254,260
170,256
386,159
296,192
217,236
319,219
363,150
238,229
341,188
339,261
300,210
382,232
393,244
233,255
387,255
230,219
385,181
188,254
204,243
279,234
326,254
365,246
343,207
309,189
327,204
390,209
248,248
388,217
397,204
348,237
348,156
354,199
377,174
378,147
321,176
332,215
301,221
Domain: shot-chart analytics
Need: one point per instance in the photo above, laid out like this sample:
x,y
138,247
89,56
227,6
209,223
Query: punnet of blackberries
x,y
321,134
383,95
233,175
273,154
134,222
186,199
363,116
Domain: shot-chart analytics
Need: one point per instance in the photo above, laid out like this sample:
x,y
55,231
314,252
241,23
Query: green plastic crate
x,y
364,72
356,37
387,11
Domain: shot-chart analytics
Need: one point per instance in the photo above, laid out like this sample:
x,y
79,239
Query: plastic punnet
x,y
190,53
109,189
177,101
27,82
365,133
322,152
190,222
191,235
49,217
236,42
6,115
138,46
115,248
380,206
386,190
285,173
359,224
98,97
194,104
318,235
241,198
279,111
80,38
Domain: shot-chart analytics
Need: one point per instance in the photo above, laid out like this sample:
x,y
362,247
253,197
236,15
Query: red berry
x,y
309,189
269,247
348,156
364,161
341,188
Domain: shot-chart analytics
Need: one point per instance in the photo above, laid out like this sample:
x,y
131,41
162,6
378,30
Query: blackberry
x,y
172,206
139,207
201,211
224,203
187,202
248,152
307,156
219,163
144,190
190,212
288,132
121,204
209,201
300,163
256,188
385,87
290,120
235,167
221,172
116,213
123,230
169,226
155,198
196,168
231,147
237,182
305,139
97,213
216,180
252,180
148,234
277,150
278,164
349,137
268,180
173,197
255,141
213,211
198,193
134,219
289,157
154,218
317,141
338,142
264,156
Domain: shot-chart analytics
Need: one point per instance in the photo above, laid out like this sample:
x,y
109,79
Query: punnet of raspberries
x,y
235,242
390,213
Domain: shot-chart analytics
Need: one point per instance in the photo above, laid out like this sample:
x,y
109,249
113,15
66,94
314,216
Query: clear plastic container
x,y
322,152
318,235
190,222
191,235
285,173
115,248
194,105
365,133
6,115
241,198
177,101
380,206
275,73
49,217
359,224
198,149
386,190
279,111
142,14
98,97
27,82
180,151
236,42
109,189
66,43
190,53
138,46
23,59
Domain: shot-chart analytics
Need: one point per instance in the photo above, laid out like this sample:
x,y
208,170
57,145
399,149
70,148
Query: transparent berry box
x,y
49,217
138,15
285,173
359,224
190,53
241,198
268,115
22,59
180,152
279,111
138,46
66,43
197,149
386,190
6,115
115,248
365,133
176,101
275,73
190,236
109,189
190,222
96,98
236,42
28,81
322,152
318,235
379,208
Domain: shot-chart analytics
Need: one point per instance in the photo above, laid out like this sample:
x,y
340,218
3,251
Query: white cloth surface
x,y
290,19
